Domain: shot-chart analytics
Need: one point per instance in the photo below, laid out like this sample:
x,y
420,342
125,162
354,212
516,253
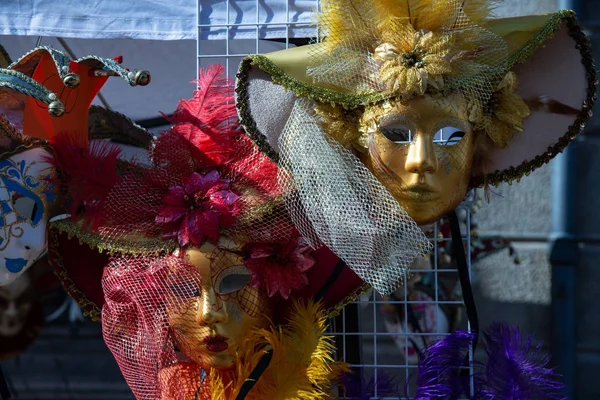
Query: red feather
x,y
212,108
87,175
207,121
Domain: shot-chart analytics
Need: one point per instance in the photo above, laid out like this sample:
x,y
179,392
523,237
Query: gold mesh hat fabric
x,y
404,48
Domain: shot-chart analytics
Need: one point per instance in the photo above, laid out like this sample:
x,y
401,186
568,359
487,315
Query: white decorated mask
x,y
25,194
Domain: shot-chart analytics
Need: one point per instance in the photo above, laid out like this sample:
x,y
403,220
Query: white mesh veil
x,y
338,202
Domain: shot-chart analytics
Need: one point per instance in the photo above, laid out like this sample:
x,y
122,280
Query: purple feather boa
x,y
438,376
516,368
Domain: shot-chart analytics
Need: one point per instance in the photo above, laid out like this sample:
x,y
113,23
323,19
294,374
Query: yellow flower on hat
x,y
412,61
502,117
341,124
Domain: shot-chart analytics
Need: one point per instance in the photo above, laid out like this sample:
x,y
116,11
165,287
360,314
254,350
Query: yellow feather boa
x,y
302,366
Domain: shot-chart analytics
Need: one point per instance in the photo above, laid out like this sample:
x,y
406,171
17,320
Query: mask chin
x,y
16,260
7,277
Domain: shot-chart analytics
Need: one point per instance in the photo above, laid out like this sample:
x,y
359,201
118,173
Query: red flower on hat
x,y
279,267
195,211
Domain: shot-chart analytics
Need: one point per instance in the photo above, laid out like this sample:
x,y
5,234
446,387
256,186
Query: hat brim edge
x,y
71,231
567,17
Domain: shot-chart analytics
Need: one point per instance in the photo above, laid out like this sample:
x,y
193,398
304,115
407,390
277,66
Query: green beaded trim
x,y
583,44
323,95
534,44
351,298
242,104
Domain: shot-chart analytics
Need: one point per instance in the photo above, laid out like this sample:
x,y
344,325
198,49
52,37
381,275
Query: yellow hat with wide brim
x,y
549,53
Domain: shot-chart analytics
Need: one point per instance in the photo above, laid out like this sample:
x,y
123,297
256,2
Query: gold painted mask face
x,y
214,321
422,153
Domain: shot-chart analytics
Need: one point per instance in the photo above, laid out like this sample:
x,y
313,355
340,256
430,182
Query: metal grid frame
x,y
404,370
365,314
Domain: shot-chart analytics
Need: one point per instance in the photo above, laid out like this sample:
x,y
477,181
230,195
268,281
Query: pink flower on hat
x,y
195,211
279,267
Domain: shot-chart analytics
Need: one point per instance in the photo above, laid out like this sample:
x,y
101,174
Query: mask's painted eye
x,y
449,136
232,279
25,206
185,290
397,133
25,202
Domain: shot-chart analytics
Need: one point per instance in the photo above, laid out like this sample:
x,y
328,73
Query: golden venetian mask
x,y
422,152
214,321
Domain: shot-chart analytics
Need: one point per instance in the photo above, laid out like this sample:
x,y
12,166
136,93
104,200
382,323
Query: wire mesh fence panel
x,y
380,337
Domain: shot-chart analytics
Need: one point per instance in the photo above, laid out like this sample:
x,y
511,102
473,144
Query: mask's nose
x,y
211,310
421,157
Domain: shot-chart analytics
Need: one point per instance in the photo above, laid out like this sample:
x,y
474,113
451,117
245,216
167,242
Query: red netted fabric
x,y
138,293
182,381
203,180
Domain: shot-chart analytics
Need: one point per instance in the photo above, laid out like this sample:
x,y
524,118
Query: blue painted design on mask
x,y
5,207
15,187
15,265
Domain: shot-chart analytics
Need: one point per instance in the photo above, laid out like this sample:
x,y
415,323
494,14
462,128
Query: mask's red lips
x,y
215,344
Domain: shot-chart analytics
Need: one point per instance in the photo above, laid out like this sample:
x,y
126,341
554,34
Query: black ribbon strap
x,y
335,274
264,362
255,375
458,251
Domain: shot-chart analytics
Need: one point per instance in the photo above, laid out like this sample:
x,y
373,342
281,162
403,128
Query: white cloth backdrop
x,y
100,19
155,19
